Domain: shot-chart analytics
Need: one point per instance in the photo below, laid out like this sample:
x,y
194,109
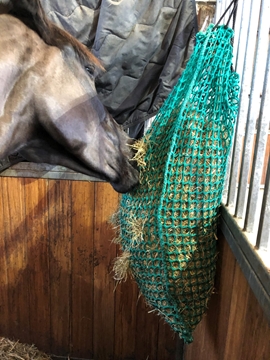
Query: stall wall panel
x,y
56,283
235,326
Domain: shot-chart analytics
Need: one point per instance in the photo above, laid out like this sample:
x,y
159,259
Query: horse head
x,y
61,106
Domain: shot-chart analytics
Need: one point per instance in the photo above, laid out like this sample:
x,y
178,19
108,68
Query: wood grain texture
x,y
126,299
82,275
147,329
104,255
59,222
170,347
4,220
234,326
14,235
57,291
56,283
36,221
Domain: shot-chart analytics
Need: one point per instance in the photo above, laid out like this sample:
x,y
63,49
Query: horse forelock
x,y
53,35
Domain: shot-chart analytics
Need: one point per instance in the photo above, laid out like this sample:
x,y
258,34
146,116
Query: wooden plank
x,y
225,281
146,331
203,346
237,314
169,344
14,233
255,331
60,265
267,154
125,319
83,202
106,200
196,348
36,220
4,318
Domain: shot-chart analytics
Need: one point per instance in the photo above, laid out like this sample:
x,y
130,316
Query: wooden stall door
x,y
56,283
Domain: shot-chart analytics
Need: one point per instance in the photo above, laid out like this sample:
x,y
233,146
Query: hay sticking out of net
x,y
11,350
139,147
168,224
114,220
121,267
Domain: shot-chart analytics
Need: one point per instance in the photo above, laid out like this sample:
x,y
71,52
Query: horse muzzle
x,y
128,181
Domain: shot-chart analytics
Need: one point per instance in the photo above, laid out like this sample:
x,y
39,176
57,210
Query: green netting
x,y
168,224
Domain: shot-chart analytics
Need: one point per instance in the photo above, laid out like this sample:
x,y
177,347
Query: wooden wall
x,y
57,291
56,285
234,327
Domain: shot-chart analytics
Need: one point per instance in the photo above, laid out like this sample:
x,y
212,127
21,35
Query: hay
x,y
14,350
140,148
121,267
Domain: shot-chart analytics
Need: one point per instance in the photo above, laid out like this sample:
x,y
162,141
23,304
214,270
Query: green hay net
x,y
168,225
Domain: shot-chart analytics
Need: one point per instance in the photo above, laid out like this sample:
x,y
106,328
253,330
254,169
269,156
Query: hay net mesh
x,y
168,224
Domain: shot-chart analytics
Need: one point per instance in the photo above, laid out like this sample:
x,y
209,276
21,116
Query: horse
x,y
49,108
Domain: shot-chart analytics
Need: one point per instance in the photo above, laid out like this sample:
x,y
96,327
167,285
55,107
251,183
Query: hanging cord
x,y
235,3
233,13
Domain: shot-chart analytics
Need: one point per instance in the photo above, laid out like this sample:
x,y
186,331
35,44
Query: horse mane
x,y
50,33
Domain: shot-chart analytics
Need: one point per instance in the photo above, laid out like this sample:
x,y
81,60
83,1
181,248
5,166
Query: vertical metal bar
x,y
259,152
268,248
254,102
230,24
237,30
235,52
224,7
243,38
240,126
218,11
222,10
263,238
226,18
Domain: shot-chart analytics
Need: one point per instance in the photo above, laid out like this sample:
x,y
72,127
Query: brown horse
x,y
49,108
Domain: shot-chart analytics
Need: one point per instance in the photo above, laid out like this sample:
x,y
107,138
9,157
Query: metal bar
x,y
254,102
226,18
226,4
222,10
218,11
243,31
237,30
263,238
244,103
268,248
235,54
230,24
45,171
259,152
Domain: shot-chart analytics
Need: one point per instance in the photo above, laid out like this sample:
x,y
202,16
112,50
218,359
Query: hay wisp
x,y
14,350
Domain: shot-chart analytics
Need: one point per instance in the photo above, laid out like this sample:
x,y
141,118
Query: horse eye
x,y
90,70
